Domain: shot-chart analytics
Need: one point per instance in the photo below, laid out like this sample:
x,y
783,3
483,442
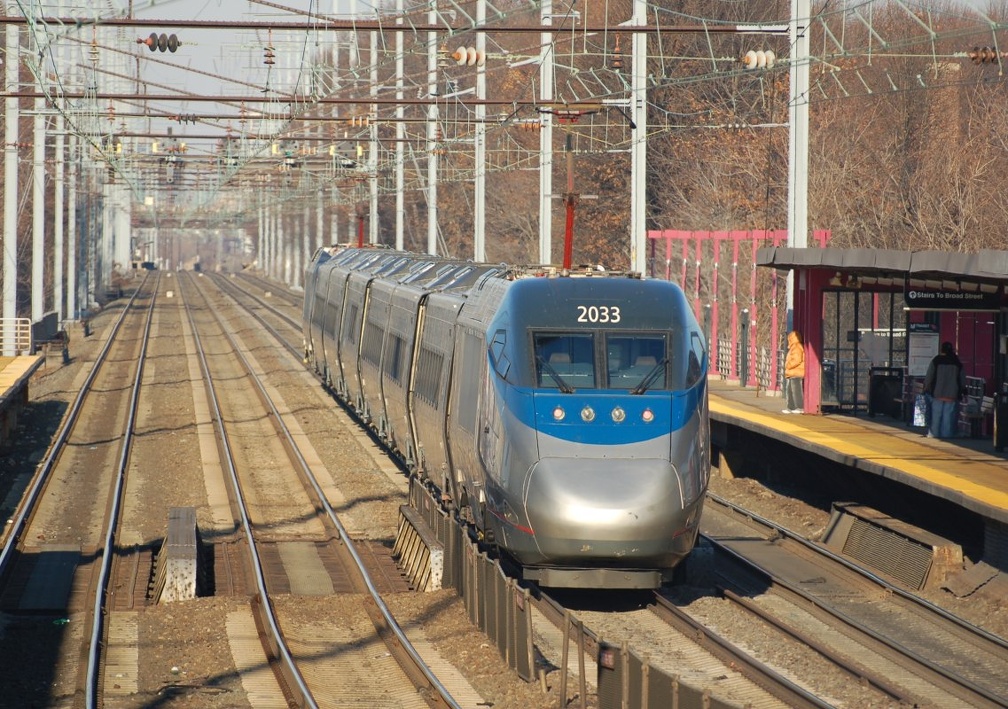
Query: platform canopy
x,y
986,267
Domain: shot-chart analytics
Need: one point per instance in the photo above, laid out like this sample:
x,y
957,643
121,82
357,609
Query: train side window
x,y
428,375
394,357
473,356
499,358
697,352
372,345
351,325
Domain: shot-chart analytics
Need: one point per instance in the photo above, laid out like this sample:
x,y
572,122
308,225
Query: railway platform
x,y
966,472
14,375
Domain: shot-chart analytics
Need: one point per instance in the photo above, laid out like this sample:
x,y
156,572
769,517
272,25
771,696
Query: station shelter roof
x,y
985,269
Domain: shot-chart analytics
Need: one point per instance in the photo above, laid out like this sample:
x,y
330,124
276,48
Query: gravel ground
x,y
986,607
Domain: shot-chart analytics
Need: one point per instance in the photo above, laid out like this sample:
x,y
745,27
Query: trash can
x,y
827,388
885,391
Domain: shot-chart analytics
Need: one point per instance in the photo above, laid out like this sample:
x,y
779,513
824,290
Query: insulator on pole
x,y
759,59
468,56
163,42
984,55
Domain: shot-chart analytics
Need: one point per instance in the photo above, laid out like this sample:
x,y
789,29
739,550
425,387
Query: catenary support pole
x,y
10,271
638,150
479,192
798,110
432,130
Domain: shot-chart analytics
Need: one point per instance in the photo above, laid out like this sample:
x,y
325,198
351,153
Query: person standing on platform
x,y
794,374
944,382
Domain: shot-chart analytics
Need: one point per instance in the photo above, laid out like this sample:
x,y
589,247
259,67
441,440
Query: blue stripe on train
x,y
535,408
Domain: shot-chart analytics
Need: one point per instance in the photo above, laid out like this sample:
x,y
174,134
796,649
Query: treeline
x,y
907,133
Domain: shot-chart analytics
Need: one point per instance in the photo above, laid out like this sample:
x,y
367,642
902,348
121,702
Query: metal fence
x,y
502,609
741,307
15,336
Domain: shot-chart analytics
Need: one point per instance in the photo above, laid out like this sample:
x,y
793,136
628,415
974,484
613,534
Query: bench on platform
x,y
976,414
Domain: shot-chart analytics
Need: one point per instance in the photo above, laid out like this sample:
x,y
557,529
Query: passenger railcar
x,y
564,415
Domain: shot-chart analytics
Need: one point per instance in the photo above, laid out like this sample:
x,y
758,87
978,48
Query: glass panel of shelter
x,y
861,330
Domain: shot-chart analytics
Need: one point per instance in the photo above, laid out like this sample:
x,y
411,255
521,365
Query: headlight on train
x,y
618,414
587,414
647,416
558,414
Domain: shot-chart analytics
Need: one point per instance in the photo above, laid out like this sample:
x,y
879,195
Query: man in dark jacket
x,y
945,382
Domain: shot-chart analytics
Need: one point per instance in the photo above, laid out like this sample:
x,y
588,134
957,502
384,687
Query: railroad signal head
x,y
984,55
163,42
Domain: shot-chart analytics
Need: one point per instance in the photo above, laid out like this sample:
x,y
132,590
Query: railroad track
x,y
880,636
302,535
61,545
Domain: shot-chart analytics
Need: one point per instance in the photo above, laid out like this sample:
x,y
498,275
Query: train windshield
x,y
565,361
630,361
636,362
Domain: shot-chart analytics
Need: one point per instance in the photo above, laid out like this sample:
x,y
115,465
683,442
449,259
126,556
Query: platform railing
x,y
15,336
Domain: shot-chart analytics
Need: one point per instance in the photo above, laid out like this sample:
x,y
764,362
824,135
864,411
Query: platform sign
x,y
923,347
923,299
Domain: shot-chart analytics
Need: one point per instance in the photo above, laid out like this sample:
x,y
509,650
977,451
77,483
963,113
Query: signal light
x,y
984,55
163,42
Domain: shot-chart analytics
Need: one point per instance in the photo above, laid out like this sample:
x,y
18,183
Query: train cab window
x,y
498,356
564,361
633,359
697,353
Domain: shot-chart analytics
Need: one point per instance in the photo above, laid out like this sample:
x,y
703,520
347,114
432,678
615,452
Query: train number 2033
x,y
598,313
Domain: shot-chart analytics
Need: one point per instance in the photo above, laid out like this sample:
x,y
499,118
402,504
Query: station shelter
x,y
872,319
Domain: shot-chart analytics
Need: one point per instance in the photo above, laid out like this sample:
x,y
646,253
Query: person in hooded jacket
x,y
945,383
794,375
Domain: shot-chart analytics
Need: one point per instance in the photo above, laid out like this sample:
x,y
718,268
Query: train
x,y
561,414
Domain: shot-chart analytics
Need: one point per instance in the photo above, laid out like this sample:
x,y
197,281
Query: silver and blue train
x,y
564,415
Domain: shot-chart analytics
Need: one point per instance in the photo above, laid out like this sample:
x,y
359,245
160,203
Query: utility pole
x,y
798,109
400,150
479,147
12,61
638,147
432,130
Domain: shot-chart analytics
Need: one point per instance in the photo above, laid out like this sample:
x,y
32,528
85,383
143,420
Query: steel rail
x,y
420,667
930,670
866,573
225,284
16,527
755,671
289,666
111,523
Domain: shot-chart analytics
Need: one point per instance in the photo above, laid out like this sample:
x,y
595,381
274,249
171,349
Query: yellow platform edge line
x,y
927,472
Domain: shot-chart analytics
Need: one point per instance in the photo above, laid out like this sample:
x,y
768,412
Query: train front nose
x,y
589,511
